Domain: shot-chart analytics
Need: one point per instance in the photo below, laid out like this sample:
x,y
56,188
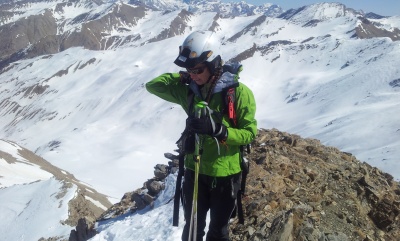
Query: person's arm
x,y
168,87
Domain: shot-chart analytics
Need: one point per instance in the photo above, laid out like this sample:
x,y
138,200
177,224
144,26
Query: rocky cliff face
x,y
299,189
96,26
48,33
101,25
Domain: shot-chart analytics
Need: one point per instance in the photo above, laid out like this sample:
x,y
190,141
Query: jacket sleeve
x,y
168,87
246,130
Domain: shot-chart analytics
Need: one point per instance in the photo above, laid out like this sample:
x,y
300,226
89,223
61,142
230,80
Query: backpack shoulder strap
x,y
229,95
190,101
230,99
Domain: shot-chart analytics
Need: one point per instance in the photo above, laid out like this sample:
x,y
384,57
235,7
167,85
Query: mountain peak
x,y
296,188
317,11
229,9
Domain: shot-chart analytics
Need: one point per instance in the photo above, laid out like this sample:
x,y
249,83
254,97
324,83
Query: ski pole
x,y
199,109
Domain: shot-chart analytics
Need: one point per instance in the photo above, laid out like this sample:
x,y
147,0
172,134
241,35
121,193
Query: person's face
x,y
199,74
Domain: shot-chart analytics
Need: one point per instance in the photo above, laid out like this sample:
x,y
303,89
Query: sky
x,y
381,7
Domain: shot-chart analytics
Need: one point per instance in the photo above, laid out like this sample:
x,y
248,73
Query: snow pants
x,y
217,195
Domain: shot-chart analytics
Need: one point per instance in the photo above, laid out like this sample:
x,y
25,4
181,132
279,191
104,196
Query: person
x,y
205,79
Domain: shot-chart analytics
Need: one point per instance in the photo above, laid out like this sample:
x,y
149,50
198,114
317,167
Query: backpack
x,y
230,98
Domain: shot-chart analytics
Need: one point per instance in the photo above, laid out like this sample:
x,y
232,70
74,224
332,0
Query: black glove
x,y
184,77
207,126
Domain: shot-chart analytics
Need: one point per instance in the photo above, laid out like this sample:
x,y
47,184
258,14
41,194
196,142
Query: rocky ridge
x,y
299,189
97,26
79,206
87,204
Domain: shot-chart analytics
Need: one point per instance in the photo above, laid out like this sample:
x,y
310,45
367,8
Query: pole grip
x,y
200,109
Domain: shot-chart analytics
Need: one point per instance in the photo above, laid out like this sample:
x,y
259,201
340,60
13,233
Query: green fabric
x,y
169,88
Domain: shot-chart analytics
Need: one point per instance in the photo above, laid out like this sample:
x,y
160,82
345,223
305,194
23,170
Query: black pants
x,y
216,194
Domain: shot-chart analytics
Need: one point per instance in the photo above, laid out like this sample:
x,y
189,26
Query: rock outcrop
x,y
144,196
299,189
80,206
367,29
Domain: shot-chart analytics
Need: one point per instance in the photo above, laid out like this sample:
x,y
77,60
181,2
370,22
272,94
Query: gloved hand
x,y
207,126
184,77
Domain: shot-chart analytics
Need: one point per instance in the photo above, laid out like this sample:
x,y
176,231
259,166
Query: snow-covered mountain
x,y
72,77
38,200
228,9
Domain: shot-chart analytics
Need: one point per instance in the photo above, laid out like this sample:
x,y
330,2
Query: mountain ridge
x,y
115,16
297,189
72,82
53,188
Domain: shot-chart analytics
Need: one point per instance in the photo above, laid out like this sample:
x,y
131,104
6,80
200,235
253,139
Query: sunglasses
x,y
199,70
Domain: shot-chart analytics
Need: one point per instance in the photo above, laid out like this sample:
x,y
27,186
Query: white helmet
x,y
199,47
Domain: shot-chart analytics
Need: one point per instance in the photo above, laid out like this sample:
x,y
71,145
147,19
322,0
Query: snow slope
x,y
97,121
33,203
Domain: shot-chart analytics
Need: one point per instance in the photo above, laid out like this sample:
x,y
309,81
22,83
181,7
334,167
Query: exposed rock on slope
x,y
299,189
41,34
177,27
145,196
31,30
86,204
80,206
367,29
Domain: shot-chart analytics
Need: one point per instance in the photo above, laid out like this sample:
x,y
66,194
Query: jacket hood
x,y
229,78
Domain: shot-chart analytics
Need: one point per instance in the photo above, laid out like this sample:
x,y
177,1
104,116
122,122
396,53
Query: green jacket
x,y
168,87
